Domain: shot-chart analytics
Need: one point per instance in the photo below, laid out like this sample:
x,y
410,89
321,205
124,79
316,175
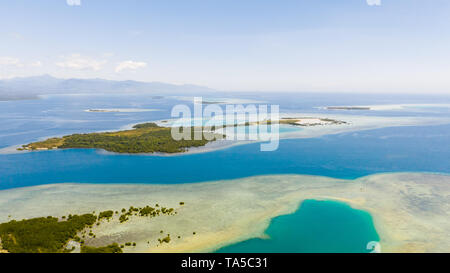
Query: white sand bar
x,y
410,210
120,110
353,123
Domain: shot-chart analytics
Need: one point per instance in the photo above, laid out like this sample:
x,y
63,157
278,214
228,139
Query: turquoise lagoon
x,y
316,227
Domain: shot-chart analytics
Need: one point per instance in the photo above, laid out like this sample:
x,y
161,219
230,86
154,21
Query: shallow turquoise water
x,y
316,227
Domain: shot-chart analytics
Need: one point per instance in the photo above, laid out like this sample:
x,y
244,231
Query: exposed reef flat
x,y
347,108
121,110
390,107
410,210
352,123
308,121
219,100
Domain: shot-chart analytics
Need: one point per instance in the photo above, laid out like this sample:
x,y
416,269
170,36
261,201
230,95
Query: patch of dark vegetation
x,y
143,138
112,248
165,239
45,234
146,211
105,214
51,234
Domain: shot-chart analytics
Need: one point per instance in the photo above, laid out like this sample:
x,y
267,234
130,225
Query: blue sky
x,y
298,45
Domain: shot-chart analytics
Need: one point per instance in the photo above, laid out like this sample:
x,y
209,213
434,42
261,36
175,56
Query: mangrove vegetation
x,y
52,235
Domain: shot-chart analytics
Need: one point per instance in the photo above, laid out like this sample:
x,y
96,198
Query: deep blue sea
x,y
351,155
347,155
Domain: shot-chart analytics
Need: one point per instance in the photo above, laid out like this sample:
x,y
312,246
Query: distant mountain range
x,y
31,87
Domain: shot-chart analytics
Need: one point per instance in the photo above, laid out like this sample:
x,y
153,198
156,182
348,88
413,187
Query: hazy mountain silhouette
x,y
31,87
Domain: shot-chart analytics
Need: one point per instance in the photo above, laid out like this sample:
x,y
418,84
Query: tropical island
x,y
120,110
143,138
310,121
348,108
152,138
62,234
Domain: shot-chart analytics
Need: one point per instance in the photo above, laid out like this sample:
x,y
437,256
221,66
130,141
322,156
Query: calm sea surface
x,y
315,227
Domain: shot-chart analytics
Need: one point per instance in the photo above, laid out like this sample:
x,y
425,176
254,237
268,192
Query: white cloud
x,y
73,2
16,36
107,54
76,61
130,65
10,61
36,64
373,2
